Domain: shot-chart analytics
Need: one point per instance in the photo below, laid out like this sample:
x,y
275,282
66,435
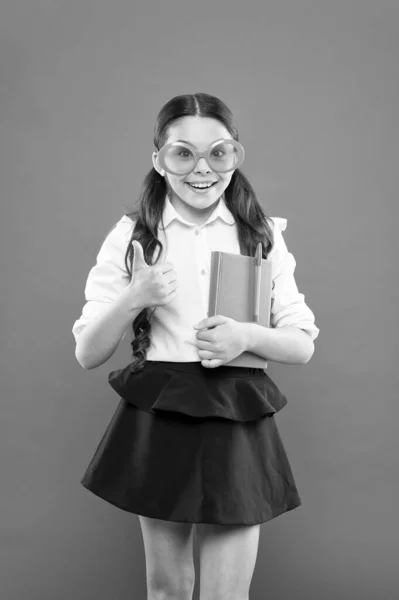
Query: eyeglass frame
x,y
197,155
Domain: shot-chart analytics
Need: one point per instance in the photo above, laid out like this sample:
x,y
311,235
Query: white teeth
x,y
200,186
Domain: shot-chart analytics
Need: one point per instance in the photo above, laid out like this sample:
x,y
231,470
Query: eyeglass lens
x,y
181,159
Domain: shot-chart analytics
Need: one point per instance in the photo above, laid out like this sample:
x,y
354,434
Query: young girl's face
x,y
195,206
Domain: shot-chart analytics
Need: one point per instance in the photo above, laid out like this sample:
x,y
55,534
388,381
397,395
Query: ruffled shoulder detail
x,y
116,238
225,392
279,250
122,229
127,221
280,223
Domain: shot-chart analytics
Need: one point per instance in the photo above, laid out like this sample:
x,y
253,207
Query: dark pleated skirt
x,y
196,445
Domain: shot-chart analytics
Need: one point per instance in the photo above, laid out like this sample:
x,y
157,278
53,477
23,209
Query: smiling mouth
x,y
201,187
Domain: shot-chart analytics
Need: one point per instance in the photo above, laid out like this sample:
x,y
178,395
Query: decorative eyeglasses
x,y
180,158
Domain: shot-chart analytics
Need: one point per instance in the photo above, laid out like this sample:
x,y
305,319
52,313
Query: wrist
x,y
283,344
247,336
130,301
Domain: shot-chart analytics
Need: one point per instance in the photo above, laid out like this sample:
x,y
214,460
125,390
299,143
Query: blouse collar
x,y
221,210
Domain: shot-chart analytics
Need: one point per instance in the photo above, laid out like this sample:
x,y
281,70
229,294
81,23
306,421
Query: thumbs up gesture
x,y
151,285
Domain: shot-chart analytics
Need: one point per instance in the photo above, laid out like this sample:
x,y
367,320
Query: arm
x,y
107,312
99,339
286,344
290,337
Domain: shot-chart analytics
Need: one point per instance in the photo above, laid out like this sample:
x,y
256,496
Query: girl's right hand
x,y
151,285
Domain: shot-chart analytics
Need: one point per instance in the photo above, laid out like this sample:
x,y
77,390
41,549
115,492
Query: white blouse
x,y
189,246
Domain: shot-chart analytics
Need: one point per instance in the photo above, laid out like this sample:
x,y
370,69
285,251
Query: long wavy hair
x,y
252,224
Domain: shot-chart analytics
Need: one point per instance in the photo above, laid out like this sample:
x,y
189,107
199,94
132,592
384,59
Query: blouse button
x,y
203,272
197,232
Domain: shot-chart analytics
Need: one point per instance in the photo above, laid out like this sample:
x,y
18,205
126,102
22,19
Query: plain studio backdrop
x,y
314,90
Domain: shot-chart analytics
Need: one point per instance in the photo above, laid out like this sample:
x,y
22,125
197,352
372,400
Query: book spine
x,y
218,270
214,284
218,281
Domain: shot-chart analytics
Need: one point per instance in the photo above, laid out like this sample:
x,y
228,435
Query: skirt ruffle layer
x,y
235,393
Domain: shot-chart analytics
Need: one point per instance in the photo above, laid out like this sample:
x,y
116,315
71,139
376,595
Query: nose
x,y
202,166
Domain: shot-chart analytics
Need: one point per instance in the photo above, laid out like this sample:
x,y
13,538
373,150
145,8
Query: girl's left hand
x,y
222,343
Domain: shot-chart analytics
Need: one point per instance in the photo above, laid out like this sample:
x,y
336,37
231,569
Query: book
x,y
241,288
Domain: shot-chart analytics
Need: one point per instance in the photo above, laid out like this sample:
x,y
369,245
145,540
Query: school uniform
x,y
189,443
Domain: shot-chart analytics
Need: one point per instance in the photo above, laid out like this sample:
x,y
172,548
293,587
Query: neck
x,y
198,216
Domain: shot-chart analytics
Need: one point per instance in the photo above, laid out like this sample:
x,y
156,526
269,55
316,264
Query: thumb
x,y
138,256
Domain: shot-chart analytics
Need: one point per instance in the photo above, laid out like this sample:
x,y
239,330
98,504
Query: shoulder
x,y
123,227
115,241
279,224
280,255
120,232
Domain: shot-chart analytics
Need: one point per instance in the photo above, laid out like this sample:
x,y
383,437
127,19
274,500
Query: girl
x,y
192,440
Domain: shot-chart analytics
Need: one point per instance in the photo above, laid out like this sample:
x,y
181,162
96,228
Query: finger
x,y
172,291
166,267
206,354
211,322
138,256
211,363
205,334
203,345
173,278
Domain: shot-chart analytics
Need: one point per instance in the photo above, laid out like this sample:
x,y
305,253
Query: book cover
x,y
232,294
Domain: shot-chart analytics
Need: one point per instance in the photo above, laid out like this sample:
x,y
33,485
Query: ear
x,y
155,163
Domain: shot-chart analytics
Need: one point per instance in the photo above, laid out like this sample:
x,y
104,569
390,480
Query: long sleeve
x,y
108,277
289,308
